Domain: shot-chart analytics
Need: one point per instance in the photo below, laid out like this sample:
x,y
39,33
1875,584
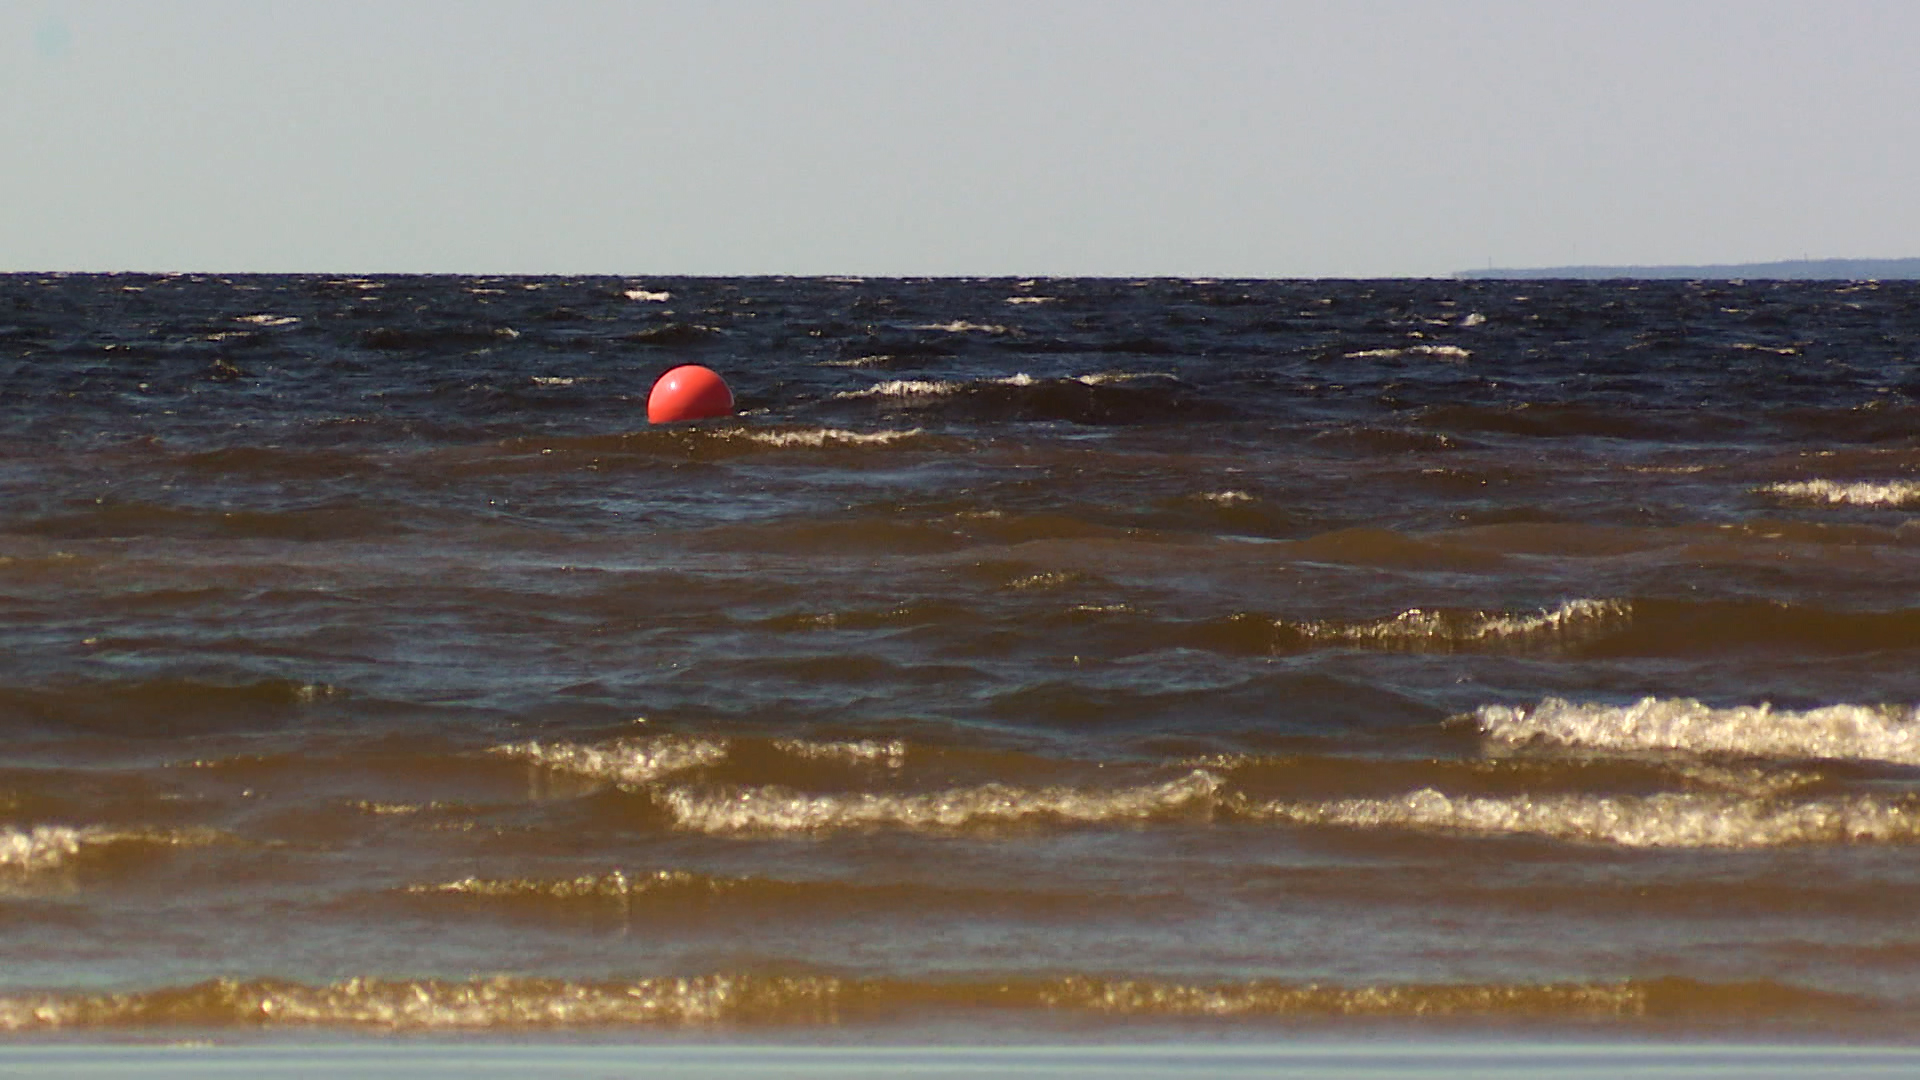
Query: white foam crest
x,y
1105,377
42,847
1891,493
1225,498
911,388
1420,624
553,380
1051,579
645,297
1031,299
1668,820
891,753
48,847
268,320
622,761
1836,732
492,1003
615,883
1439,352
781,810
1572,613
818,438
960,326
906,388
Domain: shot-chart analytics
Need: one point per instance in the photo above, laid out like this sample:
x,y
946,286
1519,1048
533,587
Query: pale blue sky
x,y
1114,137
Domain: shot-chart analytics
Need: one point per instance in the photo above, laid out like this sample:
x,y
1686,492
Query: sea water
x,y
1025,659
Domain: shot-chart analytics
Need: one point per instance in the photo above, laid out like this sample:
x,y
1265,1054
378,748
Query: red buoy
x,y
688,392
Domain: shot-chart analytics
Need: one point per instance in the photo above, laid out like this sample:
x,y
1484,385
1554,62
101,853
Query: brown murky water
x,y
1023,654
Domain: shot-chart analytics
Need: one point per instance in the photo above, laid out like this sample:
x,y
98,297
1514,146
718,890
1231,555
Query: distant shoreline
x,y
1789,270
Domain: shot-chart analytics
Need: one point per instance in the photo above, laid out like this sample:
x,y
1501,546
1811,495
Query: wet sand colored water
x,y
1249,660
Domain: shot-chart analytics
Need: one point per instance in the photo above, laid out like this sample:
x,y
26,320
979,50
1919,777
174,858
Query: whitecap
x,y
1419,625
891,753
622,761
1104,377
1890,493
782,810
905,388
48,847
613,884
1439,352
959,326
42,847
1835,732
1667,820
817,438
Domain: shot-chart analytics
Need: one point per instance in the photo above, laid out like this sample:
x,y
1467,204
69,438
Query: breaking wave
x,y
642,760
1838,732
613,885
622,761
891,753
961,326
1890,493
51,847
42,847
906,388
1571,623
819,438
522,1003
776,810
1668,820
1453,353
1418,628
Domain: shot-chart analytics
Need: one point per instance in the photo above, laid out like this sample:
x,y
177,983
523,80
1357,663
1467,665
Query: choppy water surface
x,y
1025,653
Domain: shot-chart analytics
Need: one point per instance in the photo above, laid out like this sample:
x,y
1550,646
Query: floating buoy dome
x,y
688,392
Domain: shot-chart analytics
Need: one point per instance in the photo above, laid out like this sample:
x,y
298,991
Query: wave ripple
x,y
774,810
1837,732
1669,820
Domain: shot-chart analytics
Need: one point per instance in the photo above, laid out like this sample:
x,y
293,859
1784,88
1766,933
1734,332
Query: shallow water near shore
x,y
1093,653
1324,1060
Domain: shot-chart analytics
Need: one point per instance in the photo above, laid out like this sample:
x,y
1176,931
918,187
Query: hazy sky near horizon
x,y
1097,137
